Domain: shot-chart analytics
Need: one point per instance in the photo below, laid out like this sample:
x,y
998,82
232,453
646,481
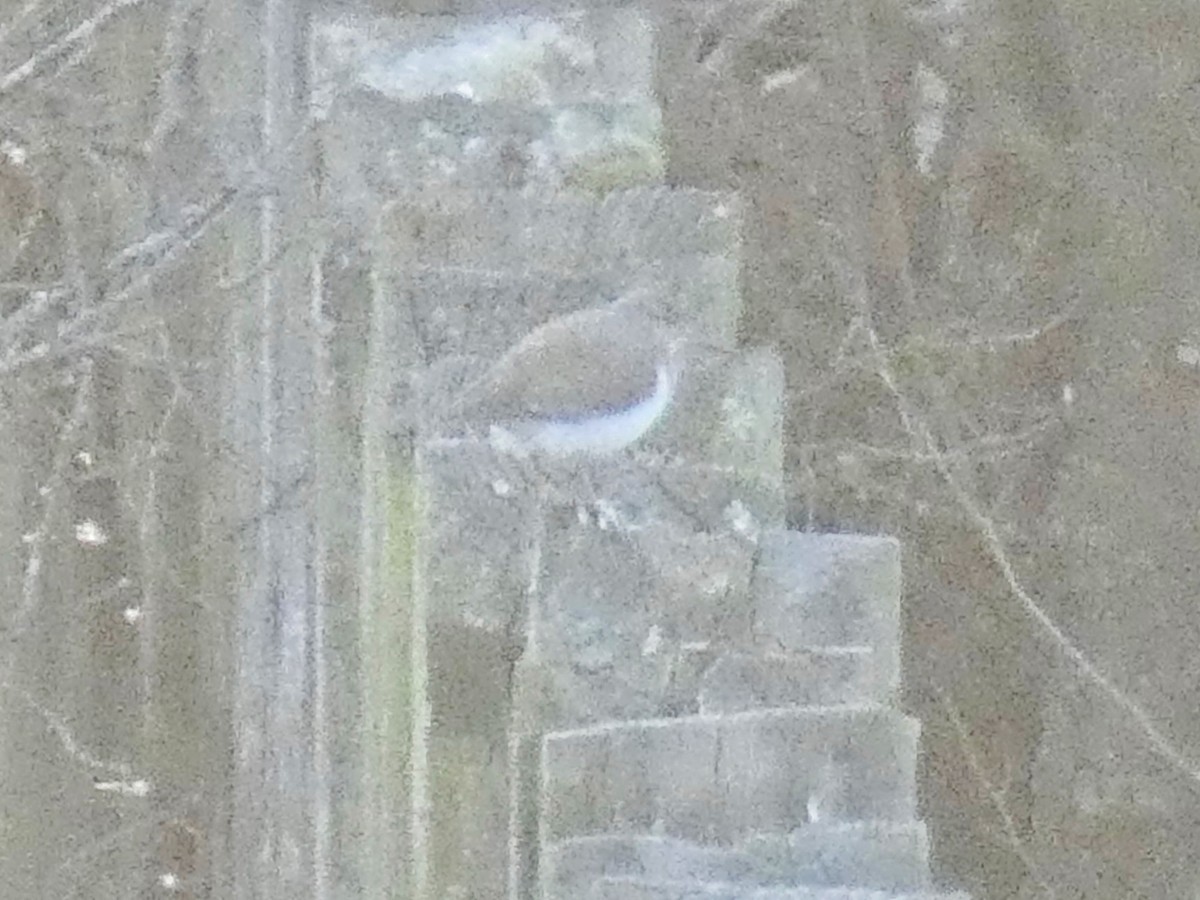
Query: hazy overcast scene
x,y
664,450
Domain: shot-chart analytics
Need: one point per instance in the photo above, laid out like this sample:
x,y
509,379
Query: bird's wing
x,y
596,359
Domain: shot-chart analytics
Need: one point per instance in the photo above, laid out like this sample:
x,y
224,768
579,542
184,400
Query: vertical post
x,y
275,842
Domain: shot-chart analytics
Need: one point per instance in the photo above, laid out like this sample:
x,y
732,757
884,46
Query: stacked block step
x,y
648,689
801,776
636,889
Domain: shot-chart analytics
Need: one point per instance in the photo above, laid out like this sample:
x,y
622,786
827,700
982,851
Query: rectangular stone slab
x,y
720,778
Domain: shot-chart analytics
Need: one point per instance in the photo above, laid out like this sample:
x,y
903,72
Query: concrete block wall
x,y
636,682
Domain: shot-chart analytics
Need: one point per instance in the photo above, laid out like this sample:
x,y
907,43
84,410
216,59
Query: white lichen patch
x,y
929,129
90,533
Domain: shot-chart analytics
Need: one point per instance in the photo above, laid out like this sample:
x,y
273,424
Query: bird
x,y
586,384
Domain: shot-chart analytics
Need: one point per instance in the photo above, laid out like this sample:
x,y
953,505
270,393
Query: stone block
x,y
564,232
830,591
884,855
378,148
552,59
601,627
721,778
439,102
651,889
628,583
737,681
728,415
475,536
570,867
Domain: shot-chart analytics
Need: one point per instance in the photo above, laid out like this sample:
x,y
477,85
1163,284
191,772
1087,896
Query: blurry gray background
x,y
969,228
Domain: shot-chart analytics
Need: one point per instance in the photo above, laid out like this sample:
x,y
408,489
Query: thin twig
x,y
72,42
995,795
128,784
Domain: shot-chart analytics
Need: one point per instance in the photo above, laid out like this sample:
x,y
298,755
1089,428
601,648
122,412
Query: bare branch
x,y
848,271
987,447
995,795
27,10
994,342
92,327
170,109
37,306
31,587
922,436
73,41
128,783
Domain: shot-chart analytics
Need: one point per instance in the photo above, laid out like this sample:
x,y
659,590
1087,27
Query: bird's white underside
x,y
600,434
